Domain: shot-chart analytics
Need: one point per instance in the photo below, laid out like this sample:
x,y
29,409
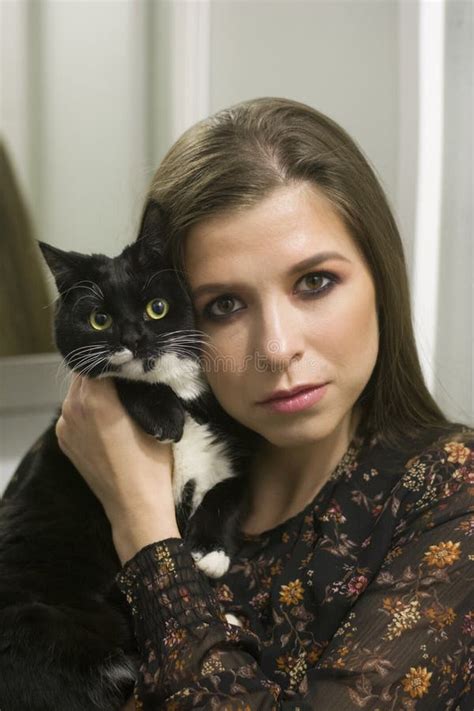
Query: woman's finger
x,y
73,402
99,397
61,432
59,429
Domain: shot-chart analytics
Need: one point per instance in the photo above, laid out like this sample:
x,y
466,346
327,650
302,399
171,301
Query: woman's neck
x,y
284,480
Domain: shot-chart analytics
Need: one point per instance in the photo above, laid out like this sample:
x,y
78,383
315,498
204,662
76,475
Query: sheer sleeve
x,y
192,658
406,643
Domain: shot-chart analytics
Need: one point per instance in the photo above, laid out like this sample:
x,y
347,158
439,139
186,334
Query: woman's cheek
x,y
225,367
363,345
351,337
230,394
227,352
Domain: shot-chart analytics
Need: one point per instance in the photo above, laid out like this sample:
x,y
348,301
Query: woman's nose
x,y
280,337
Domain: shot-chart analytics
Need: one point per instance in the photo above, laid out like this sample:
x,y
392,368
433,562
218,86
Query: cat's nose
x,y
131,339
130,343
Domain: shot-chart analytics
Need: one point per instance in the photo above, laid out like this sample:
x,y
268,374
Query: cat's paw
x,y
213,564
119,673
168,433
232,620
160,438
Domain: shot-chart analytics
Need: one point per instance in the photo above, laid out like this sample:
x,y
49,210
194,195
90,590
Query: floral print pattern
x,y
363,600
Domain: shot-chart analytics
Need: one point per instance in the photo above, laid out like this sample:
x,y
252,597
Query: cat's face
x,y
127,316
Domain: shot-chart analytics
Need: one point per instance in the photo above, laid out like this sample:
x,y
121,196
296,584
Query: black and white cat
x,y
66,639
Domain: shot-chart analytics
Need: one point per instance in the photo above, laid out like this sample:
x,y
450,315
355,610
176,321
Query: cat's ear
x,y
152,234
64,266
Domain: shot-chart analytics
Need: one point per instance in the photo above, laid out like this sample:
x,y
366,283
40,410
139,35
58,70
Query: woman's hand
x,y
127,469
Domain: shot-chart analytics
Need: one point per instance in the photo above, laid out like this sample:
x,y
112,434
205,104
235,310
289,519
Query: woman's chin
x,y
297,433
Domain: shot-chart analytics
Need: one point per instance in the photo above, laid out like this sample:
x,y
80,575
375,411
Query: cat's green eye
x,y
100,321
157,308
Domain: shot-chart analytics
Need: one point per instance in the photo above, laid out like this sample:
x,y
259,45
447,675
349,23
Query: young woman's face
x,y
287,301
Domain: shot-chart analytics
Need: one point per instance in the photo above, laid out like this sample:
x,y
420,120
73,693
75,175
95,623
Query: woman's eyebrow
x,y
315,260
307,263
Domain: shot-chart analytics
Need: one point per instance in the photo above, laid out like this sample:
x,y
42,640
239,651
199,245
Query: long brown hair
x,y
235,158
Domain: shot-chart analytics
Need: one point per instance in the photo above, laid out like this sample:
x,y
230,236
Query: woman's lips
x,y
295,403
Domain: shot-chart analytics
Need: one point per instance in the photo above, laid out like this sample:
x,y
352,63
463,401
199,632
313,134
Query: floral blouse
x,y
363,600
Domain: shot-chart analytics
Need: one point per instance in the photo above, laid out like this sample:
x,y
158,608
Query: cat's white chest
x,y
198,457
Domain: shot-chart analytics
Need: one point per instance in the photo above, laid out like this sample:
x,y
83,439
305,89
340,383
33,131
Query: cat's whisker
x,y
194,344
86,348
150,279
51,303
88,360
65,382
187,332
187,352
184,353
95,364
193,331
80,364
86,296
88,368
191,341
87,356
190,352
179,348
200,332
90,345
95,288
189,344
69,370
64,372
189,336
75,362
90,349
65,362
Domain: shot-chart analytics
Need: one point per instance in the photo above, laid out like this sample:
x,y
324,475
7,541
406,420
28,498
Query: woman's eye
x,y
316,282
221,307
156,309
100,320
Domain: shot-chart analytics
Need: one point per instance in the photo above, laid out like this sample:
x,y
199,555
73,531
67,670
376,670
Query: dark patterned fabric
x,y
364,600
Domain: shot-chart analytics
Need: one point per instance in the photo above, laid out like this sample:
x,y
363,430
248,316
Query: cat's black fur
x,y
66,638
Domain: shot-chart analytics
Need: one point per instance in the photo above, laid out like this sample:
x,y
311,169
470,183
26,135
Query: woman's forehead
x,y
292,224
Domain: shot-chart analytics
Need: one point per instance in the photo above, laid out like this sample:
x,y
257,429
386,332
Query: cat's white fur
x,y
200,457
183,375
197,456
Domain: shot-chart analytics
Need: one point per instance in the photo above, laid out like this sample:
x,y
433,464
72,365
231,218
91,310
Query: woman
x,y
352,583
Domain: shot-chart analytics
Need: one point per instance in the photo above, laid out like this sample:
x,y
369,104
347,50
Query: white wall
x,y
454,337
74,117
340,57
31,388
